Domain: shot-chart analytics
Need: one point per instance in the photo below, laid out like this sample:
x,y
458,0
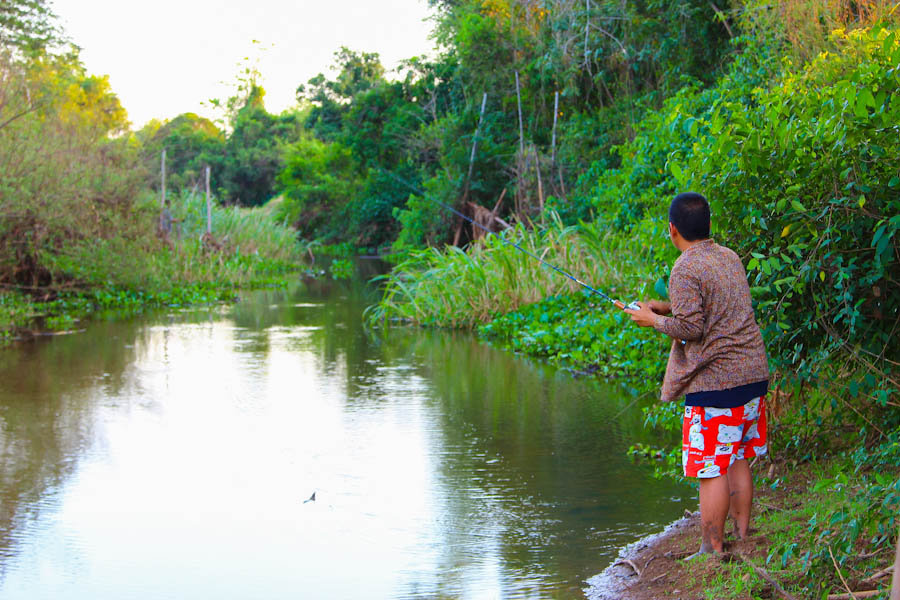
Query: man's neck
x,y
684,244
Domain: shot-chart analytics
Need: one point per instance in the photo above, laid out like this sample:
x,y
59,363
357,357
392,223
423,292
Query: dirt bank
x,y
654,567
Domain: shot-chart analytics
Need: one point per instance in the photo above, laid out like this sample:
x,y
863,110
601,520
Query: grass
x,y
810,519
239,230
134,268
462,288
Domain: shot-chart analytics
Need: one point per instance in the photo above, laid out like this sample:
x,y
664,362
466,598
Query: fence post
x,y
519,102
165,218
587,25
537,166
553,137
208,205
520,158
162,188
474,146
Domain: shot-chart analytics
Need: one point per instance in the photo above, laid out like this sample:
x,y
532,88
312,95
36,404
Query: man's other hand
x,y
644,317
661,307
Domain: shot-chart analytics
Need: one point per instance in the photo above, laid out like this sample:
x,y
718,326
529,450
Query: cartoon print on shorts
x,y
687,412
723,449
751,434
762,450
684,458
751,410
710,468
695,436
712,413
728,434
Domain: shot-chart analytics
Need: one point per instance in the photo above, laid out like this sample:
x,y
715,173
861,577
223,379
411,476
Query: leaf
x,y
866,97
786,230
661,289
894,182
676,170
882,244
716,125
822,275
877,237
798,206
888,44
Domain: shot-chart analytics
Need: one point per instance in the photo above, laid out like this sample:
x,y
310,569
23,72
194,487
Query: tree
x,y
28,25
331,98
191,143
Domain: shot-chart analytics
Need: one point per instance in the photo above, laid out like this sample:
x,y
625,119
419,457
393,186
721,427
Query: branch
x,y
854,595
722,18
765,575
841,575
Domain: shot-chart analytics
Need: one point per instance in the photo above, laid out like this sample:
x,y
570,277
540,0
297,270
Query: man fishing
x,y
718,363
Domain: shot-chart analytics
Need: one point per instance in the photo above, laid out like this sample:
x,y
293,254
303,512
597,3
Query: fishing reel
x,y
633,305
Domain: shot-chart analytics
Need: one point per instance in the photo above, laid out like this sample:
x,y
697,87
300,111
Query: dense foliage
x,y
79,227
576,122
578,74
797,153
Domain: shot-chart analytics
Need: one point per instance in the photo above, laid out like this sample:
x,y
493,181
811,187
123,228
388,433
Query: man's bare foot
x,y
706,549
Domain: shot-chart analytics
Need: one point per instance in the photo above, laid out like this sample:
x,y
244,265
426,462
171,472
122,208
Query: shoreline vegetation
x,y
567,127
183,265
797,154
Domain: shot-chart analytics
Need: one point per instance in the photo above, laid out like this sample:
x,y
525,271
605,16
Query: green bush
x,y
805,181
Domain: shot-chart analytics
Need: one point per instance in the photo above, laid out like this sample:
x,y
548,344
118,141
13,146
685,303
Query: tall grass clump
x,y
462,288
238,229
245,246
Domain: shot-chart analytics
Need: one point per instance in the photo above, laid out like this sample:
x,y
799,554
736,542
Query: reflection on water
x,y
170,457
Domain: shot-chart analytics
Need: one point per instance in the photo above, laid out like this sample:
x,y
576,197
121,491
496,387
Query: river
x,y
174,455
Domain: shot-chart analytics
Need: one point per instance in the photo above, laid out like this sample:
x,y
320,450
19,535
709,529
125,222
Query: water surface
x,y
170,456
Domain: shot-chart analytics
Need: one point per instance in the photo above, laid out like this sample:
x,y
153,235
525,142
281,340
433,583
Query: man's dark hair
x,y
689,213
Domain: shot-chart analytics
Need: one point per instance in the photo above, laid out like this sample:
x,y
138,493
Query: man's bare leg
x,y
714,502
740,484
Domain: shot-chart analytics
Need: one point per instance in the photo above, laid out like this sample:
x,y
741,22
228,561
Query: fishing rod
x,y
618,303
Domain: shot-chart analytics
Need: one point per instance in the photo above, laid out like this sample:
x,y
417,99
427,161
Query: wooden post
x,y
537,166
208,205
162,187
521,131
895,579
553,137
474,146
520,159
587,24
165,218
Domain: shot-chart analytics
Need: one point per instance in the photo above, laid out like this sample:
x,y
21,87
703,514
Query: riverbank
x,y
201,256
776,561
24,316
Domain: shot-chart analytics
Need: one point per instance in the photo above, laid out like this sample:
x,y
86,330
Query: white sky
x,y
166,57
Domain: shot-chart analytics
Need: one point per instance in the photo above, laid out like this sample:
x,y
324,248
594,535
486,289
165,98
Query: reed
x,y
463,288
238,229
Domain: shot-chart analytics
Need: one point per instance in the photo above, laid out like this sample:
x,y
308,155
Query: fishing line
x,y
563,272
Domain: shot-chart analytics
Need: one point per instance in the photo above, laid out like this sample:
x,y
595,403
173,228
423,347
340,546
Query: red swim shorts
x,y
713,438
